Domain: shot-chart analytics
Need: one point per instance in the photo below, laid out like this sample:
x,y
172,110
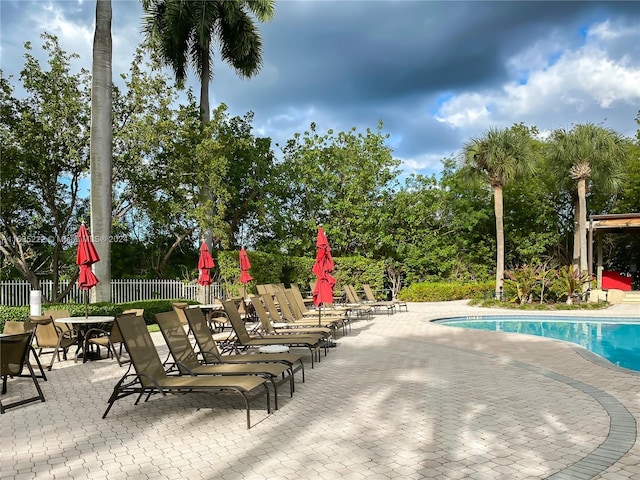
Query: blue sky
x,y
436,73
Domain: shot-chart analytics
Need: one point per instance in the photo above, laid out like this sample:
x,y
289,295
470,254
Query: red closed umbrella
x,y
205,263
322,268
85,257
245,265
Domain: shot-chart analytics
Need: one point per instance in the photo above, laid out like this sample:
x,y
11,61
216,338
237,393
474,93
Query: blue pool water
x,y
616,339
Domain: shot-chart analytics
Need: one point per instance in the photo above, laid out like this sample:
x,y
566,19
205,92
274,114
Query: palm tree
x,y
500,155
587,156
101,151
184,32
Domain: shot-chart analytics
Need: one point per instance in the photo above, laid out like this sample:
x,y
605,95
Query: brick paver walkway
x,y
399,397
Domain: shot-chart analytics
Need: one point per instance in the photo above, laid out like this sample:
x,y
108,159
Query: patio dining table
x,y
83,324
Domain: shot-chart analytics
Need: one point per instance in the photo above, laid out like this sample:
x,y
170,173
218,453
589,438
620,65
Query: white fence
x,y
16,292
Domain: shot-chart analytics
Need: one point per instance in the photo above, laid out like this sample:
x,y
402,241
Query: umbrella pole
x,y
86,303
320,315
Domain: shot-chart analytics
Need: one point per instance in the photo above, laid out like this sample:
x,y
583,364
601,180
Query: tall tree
x,y
501,156
184,33
156,158
102,148
45,155
587,156
341,180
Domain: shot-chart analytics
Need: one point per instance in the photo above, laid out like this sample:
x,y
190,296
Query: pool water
x,y
616,339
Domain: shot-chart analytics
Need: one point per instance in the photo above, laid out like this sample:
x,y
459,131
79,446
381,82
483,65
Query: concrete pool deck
x,y
399,397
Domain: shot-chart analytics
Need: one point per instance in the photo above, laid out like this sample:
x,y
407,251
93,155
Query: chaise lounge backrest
x,y
236,322
142,351
177,340
207,346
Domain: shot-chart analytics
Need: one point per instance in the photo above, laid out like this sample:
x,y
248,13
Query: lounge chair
x,y
305,300
311,342
209,352
290,313
186,360
371,297
14,351
353,297
49,335
12,328
357,307
295,298
150,376
283,328
62,313
305,305
109,339
334,318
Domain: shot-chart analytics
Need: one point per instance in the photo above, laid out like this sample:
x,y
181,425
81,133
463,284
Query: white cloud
x,y
74,37
466,109
579,81
425,163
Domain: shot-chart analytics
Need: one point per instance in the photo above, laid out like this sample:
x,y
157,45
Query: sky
x,y
435,73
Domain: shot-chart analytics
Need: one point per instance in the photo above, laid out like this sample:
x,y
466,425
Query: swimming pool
x,y
616,339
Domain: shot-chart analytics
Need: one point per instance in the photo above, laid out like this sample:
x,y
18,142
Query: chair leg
x,y
35,381
33,350
53,359
114,353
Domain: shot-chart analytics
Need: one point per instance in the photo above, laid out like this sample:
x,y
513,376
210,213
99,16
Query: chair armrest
x,y
206,353
66,333
95,332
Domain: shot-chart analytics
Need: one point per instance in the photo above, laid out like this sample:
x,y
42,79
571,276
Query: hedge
x,y
151,307
443,291
278,268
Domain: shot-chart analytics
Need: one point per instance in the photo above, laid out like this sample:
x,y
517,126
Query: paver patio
x,y
399,397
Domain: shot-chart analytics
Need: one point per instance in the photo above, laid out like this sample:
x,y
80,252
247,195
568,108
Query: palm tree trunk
x,y
499,212
102,149
205,111
205,117
582,198
576,237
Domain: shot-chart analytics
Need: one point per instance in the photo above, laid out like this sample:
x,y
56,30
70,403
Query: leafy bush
x,y
15,314
568,282
151,307
359,270
525,280
277,268
441,291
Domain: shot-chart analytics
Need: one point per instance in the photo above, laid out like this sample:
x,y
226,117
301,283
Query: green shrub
x,y
151,307
278,268
441,291
14,314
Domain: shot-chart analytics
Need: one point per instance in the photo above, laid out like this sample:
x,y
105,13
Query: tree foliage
x,y
588,155
45,157
341,180
175,176
501,156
